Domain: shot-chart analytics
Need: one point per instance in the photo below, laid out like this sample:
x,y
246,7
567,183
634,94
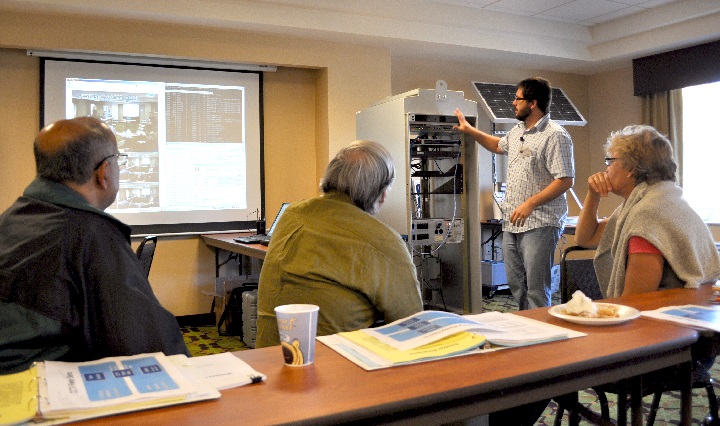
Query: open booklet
x,y
430,335
54,392
693,315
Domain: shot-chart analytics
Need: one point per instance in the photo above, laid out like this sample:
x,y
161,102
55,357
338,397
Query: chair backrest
x,y
145,253
577,274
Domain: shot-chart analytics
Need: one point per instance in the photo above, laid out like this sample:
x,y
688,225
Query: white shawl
x,y
659,214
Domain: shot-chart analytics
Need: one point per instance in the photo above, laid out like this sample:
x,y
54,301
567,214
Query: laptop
x,y
263,239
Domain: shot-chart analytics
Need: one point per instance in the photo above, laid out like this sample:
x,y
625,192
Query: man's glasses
x,y
522,99
121,160
609,160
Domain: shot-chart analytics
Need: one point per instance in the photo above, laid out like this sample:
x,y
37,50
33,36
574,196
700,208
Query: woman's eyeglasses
x,y
609,160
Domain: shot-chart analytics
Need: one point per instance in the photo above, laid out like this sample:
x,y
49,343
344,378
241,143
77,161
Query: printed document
x,y
54,392
431,335
694,315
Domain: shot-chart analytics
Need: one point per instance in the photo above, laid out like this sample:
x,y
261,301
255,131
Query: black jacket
x,y
71,288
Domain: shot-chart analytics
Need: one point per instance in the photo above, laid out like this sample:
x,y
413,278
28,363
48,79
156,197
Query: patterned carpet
x,y
206,340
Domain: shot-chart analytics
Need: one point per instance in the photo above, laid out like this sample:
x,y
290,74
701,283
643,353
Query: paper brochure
x,y
694,315
432,335
54,392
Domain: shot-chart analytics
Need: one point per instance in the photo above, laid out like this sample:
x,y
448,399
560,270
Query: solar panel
x,y
497,101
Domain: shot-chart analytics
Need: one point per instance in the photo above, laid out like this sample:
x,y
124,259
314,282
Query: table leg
x,y
685,372
622,391
636,401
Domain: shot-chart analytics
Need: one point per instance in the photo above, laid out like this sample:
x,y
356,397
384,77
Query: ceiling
x,y
576,36
585,12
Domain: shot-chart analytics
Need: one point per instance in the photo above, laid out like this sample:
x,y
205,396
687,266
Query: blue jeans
x,y
529,257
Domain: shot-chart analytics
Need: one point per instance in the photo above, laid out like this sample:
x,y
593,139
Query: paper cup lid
x,y
296,308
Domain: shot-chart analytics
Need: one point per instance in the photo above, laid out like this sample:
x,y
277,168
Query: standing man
x,y
540,170
71,288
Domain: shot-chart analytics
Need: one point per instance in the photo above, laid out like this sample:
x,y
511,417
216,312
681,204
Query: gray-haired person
x,y
332,252
654,240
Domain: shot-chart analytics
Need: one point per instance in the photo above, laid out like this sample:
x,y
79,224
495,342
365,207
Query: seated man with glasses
x,y
71,288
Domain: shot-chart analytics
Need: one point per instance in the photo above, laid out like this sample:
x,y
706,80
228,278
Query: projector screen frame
x,y
251,213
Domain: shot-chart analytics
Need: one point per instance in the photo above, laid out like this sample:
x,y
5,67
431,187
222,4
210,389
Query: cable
x,y
418,208
426,281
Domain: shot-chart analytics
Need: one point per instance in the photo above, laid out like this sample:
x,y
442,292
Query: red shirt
x,y
641,245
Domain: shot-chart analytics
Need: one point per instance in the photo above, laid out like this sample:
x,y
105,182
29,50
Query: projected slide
x,y
199,129
192,140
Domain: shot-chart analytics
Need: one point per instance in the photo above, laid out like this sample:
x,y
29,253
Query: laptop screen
x,y
277,219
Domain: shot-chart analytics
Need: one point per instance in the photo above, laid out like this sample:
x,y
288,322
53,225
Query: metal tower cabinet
x,y
435,200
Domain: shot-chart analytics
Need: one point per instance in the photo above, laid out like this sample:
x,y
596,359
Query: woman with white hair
x,y
654,239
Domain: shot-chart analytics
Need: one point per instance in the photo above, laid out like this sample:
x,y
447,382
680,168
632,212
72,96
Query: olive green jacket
x,y
328,252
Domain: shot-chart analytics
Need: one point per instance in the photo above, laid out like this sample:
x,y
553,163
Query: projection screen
x,y
193,139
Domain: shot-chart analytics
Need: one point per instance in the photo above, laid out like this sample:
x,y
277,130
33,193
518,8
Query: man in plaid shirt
x,y
540,170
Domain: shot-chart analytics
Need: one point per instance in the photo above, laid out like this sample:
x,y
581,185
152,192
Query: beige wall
x,y
310,105
19,107
612,106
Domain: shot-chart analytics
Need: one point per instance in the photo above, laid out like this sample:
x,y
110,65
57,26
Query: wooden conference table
x,y
333,390
709,344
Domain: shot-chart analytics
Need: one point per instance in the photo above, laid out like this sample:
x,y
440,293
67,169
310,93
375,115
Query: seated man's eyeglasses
x,y
121,160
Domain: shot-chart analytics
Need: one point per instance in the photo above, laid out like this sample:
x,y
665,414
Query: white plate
x,y
626,313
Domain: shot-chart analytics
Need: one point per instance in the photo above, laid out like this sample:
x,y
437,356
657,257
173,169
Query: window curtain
x,y
663,111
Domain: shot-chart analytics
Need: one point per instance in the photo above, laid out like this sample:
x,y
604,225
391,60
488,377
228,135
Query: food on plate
x,y
607,311
582,306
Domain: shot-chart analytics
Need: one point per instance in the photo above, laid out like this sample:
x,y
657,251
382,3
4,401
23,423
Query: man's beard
x,y
522,114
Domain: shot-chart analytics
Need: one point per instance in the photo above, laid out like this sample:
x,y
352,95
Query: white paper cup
x,y
297,325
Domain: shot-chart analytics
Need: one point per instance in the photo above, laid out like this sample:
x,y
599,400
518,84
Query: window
x,y
701,150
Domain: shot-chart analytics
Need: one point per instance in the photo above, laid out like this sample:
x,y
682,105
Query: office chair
x,y
701,379
579,274
145,253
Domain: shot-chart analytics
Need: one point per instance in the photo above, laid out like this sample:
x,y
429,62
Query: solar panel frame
x,y
496,99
